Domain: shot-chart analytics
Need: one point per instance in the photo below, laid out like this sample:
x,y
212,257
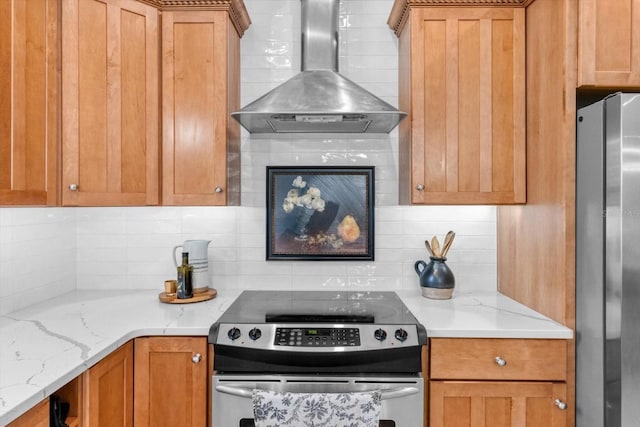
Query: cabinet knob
x,y
500,361
218,190
196,358
73,187
560,404
420,187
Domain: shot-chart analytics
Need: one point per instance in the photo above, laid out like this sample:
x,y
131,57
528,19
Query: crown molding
x,y
236,9
400,11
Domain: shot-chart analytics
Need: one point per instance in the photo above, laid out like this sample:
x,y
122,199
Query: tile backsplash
x,y
48,251
37,255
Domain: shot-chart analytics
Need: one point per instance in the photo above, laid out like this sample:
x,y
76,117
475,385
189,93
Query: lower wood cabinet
x,y
170,386
497,383
101,397
496,404
38,416
108,390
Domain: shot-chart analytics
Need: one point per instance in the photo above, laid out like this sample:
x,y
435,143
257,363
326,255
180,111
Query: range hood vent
x,y
319,99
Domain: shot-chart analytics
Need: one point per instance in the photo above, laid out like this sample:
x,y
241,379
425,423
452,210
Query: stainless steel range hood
x,y
319,99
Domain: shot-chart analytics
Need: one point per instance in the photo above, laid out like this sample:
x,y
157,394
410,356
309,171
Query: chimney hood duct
x,y
319,99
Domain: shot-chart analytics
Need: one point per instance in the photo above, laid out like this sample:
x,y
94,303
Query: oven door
x,y
402,396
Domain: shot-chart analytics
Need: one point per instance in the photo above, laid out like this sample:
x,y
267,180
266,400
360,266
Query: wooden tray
x,y
202,296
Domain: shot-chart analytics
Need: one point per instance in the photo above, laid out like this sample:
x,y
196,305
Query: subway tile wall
x,y
37,255
47,251
132,248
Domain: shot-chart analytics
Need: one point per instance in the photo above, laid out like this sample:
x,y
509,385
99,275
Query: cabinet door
x,y
110,103
108,387
38,416
467,94
28,102
170,382
199,90
496,404
609,43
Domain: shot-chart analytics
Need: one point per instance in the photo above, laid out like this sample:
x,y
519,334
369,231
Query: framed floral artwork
x,y
320,213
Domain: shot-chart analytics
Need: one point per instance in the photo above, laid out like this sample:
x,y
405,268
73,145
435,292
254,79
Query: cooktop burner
x,y
316,331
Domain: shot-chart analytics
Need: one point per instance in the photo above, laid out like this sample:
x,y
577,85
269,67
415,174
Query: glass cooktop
x,y
318,307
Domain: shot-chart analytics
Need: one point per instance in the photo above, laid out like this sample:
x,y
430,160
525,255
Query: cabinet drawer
x,y
498,359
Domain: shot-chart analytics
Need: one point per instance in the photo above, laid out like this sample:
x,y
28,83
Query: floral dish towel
x,y
275,409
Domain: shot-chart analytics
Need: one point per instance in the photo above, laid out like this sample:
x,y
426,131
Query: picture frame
x,y
320,213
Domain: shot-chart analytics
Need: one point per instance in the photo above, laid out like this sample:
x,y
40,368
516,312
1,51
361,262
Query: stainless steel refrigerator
x,y
608,263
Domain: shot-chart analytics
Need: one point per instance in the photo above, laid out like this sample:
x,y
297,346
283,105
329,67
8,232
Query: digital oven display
x,y
317,337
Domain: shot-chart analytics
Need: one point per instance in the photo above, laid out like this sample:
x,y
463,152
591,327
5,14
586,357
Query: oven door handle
x,y
392,393
235,391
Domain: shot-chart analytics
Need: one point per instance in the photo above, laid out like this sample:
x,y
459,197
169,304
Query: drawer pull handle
x,y
500,361
560,404
73,187
218,190
420,187
196,358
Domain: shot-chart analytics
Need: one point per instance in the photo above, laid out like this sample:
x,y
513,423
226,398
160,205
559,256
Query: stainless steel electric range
x,y
317,341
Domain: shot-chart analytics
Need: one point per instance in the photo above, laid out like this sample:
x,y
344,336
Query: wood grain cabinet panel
x,y
201,87
609,43
170,382
504,359
28,102
462,82
496,404
110,103
38,416
522,382
108,388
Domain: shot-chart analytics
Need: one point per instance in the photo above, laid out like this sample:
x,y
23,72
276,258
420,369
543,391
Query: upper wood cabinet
x,y
110,127
200,88
28,102
170,386
462,81
609,43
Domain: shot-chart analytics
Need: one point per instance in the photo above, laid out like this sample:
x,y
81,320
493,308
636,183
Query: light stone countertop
x,y
48,344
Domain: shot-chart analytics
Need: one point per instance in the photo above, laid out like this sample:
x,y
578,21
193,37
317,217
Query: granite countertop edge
x,y
44,346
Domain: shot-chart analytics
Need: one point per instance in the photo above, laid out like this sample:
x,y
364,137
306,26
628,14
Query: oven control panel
x,y
317,337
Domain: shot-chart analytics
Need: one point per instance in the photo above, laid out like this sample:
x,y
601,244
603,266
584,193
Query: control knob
x,y
380,334
401,335
234,333
255,333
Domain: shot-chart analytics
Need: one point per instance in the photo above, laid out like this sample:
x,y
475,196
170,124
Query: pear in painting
x,y
348,229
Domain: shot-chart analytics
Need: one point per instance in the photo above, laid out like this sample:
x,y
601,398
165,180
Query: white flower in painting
x,y
312,200
288,206
298,182
290,201
317,204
